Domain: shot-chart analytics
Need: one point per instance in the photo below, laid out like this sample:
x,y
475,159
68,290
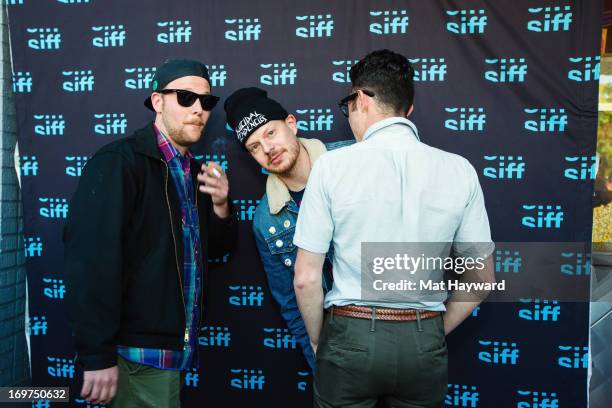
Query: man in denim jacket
x,y
269,134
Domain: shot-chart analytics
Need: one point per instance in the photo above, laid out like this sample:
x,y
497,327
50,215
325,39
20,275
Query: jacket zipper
x,y
197,193
186,338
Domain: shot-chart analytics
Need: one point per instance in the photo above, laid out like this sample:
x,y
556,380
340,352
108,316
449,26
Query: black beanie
x,y
248,109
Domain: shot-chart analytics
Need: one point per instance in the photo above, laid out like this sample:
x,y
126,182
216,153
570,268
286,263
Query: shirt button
x,y
288,262
287,223
272,230
279,243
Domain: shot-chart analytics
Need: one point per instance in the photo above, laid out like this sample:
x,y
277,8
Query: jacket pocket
x,y
282,242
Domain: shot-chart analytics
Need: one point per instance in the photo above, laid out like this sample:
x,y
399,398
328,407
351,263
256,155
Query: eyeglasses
x,y
343,104
187,98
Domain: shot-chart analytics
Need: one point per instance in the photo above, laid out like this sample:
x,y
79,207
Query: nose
x,y
267,147
197,107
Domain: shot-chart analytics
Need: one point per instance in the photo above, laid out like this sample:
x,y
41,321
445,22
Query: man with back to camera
x,y
388,187
137,240
265,129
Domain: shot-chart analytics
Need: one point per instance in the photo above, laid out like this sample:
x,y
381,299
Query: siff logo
x,y
49,125
217,74
282,74
428,69
80,81
47,38
192,378
46,404
579,358
549,120
245,209
507,70
318,26
75,165
222,260
247,379
586,168
86,404
535,399
580,266
33,247
318,120
466,119
248,296
459,395
111,124
60,367
28,166
22,82
547,216
476,311
214,336
73,1
393,22
470,22
37,326
243,29
540,310
220,159
143,77
279,339
174,32
14,2
508,167
57,289
505,261
302,384
53,207
589,69
501,353
343,76
555,18
109,36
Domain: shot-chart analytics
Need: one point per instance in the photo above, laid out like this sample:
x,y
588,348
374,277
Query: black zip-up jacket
x,y
124,251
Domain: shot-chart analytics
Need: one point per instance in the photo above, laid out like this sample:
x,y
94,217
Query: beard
x,y
290,155
185,134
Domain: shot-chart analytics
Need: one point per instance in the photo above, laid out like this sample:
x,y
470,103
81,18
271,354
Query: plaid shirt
x,y
179,167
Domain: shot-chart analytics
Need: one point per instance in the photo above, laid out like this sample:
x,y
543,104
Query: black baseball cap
x,y
172,69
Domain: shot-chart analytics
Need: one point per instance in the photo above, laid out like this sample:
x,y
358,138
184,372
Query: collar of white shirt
x,y
388,122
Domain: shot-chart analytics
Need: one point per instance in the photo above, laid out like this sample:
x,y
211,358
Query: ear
x,y
363,101
157,102
291,122
410,110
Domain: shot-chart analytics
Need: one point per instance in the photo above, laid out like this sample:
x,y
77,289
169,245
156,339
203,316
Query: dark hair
x,y
389,75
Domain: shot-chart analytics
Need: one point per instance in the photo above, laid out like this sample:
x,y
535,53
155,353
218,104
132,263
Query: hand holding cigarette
x,y
213,181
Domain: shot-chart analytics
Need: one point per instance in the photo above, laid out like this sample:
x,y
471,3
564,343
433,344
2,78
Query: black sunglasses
x,y
187,98
343,104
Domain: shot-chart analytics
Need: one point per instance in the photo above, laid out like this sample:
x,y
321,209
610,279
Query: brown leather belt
x,y
382,313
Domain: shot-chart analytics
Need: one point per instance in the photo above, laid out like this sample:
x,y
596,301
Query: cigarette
x,y
215,172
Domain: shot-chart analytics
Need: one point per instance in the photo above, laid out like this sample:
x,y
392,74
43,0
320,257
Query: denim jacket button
x,y
288,262
279,243
272,230
287,223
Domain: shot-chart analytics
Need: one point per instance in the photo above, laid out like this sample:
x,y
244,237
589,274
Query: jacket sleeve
x,y
280,281
222,233
93,245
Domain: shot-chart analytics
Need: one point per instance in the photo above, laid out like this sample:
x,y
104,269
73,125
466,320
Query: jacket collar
x,y
276,190
145,142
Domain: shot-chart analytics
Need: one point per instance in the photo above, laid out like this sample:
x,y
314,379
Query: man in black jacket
x,y
141,226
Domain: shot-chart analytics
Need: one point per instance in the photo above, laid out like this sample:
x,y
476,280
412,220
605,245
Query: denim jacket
x,y
273,227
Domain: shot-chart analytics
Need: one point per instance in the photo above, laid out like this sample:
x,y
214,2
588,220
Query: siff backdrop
x,y
512,86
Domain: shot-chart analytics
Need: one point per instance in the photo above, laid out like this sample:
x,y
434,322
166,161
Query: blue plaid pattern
x,y
180,171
